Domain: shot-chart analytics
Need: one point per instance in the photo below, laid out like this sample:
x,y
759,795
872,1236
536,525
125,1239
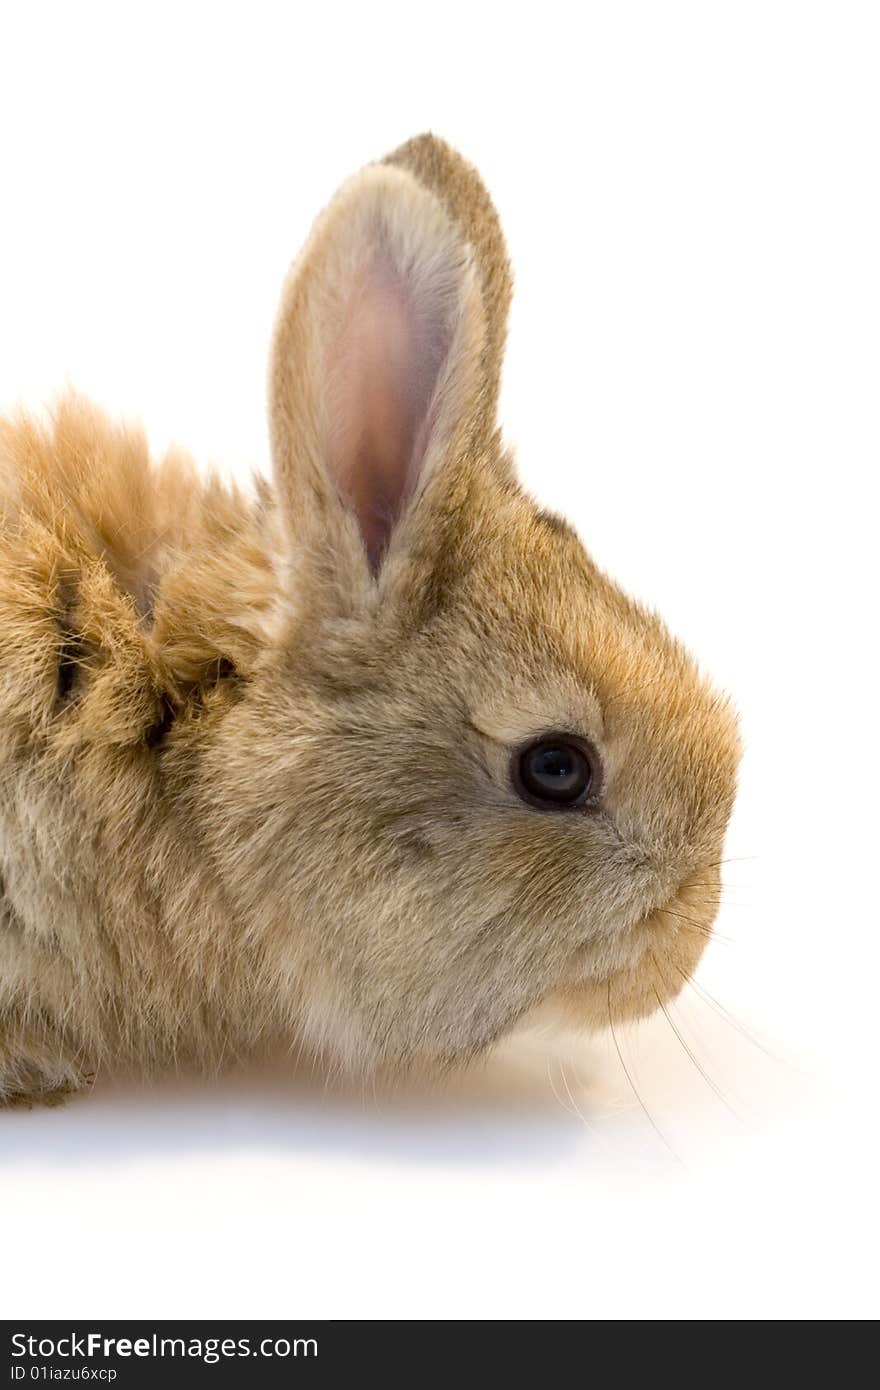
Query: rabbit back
x,y
135,601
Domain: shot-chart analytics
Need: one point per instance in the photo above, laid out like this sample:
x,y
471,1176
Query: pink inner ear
x,y
383,368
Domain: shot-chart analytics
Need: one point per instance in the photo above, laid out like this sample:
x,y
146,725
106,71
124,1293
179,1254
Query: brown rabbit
x,y
372,764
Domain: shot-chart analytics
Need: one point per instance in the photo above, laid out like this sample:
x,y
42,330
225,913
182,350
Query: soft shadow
x,y
505,1111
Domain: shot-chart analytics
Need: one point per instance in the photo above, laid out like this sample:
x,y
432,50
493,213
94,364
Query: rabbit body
x,y
256,751
133,602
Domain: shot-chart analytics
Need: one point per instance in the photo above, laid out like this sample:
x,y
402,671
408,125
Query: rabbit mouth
x,y
670,938
629,974
690,910
693,906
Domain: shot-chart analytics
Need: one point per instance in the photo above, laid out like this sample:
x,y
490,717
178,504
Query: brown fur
x,y
254,781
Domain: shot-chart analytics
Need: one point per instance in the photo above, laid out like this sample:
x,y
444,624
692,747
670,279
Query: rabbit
x,y
371,762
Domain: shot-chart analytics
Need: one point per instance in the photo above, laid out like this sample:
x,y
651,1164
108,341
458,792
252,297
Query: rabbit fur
x,y
255,784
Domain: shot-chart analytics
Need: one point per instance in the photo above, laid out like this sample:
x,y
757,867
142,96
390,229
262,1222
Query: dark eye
x,y
557,772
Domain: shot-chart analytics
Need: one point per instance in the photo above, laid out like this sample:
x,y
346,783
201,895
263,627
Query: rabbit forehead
x,y
528,587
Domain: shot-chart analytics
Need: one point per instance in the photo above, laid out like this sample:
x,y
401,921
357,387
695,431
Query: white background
x,y
691,198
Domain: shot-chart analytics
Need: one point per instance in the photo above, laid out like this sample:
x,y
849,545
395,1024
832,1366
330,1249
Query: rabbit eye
x,y
557,772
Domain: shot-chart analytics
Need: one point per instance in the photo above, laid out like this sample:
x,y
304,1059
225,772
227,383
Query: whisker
x,y
635,1090
712,886
556,1096
692,925
737,859
728,1018
713,1085
683,917
577,1109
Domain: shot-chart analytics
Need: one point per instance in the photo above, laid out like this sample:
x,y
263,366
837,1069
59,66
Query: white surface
x,y
690,193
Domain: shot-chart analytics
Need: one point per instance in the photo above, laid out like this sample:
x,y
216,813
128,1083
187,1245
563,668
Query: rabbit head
x,y
472,775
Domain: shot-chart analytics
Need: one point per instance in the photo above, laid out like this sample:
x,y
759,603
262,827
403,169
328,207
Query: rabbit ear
x,y
381,367
460,189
